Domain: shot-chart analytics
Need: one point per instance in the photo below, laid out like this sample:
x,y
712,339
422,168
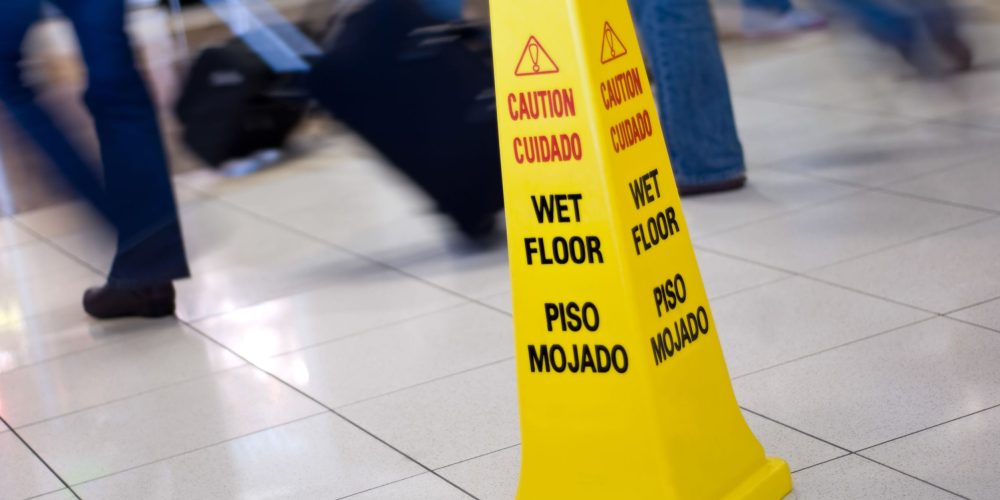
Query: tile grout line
x,y
817,438
860,190
323,242
824,462
833,348
333,411
352,495
364,331
928,199
426,382
47,493
135,395
202,448
342,249
20,438
977,304
494,452
911,476
946,422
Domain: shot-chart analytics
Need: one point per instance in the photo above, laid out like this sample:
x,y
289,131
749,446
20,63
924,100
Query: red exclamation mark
x,y
533,52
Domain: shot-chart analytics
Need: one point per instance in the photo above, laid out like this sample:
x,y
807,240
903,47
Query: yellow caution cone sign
x,y
624,392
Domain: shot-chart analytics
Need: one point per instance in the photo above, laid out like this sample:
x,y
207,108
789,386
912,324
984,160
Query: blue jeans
x,y
691,89
884,23
135,193
445,10
772,5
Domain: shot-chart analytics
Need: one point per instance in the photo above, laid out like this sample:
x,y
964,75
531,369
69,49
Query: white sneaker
x,y
759,23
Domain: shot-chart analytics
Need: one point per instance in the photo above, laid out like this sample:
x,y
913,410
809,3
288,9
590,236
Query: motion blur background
x,y
855,282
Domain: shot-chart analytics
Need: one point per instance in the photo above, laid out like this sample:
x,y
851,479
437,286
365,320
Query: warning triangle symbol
x,y
612,48
535,60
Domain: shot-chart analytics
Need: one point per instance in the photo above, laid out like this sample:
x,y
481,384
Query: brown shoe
x,y
108,302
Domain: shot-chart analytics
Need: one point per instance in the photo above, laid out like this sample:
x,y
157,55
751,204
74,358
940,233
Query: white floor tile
x,y
355,300
321,457
987,314
219,237
164,423
921,98
855,477
61,219
59,495
791,130
977,185
882,388
36,260
943,273
961,456
351,186
842,68
796,317
24,297
502,301
767,194
144,361
836,231
423,487
796,448
11,234
40,338
889,154
490,477
215,293
23,474
398,356
473,273
450,420
725,275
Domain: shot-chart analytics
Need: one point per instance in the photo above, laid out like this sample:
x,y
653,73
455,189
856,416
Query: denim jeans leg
x,y
16,17
692,92
769,5
886,24
445,10
136,174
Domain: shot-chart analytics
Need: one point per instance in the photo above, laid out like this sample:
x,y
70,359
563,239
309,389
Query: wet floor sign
x,y
624,393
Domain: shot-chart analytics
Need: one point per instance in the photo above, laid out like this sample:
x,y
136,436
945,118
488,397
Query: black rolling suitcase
x,y
422,94
233,104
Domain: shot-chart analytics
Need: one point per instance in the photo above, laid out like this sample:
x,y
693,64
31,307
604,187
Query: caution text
x,y
548,148
621,89
541,104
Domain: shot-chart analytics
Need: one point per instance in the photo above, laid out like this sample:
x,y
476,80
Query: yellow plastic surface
x,y
624,392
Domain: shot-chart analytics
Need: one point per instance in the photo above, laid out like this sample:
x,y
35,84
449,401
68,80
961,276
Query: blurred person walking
x,y
134,194
692,93
913,28
769,18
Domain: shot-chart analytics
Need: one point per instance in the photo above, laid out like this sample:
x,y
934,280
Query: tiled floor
x,y
337,341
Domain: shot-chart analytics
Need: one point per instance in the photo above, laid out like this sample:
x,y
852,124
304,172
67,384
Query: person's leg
x,y
445,10
779,6
691,92
137,177
765,18
16,17
884,23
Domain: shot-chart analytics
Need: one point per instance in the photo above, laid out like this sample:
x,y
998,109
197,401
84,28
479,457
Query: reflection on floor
x,y
337,341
